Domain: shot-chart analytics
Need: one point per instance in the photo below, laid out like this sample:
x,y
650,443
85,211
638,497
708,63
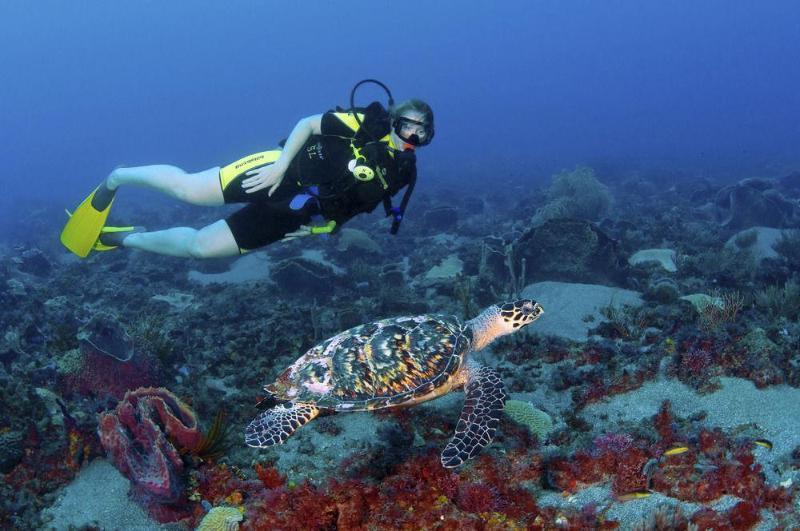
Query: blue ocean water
x,y
572,139
514,85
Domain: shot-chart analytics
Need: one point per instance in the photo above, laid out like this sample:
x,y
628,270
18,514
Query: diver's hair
x,y
412,105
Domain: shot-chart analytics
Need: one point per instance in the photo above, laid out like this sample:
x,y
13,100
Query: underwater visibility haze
x,y
554,283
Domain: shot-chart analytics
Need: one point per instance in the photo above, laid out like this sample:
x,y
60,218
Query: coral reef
x,y
216,331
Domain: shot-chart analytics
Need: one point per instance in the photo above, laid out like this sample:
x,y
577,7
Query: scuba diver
x,y
332,167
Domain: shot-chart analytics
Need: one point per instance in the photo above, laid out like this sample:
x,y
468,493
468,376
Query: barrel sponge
x,y
537,421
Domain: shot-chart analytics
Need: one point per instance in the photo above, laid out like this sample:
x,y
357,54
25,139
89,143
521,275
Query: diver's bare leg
x,y
201,188
214,241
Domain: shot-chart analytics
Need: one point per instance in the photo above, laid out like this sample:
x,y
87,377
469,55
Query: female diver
x,y
332,167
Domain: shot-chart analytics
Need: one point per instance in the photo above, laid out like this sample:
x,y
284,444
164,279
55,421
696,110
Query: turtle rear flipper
x,y
479,417
275,425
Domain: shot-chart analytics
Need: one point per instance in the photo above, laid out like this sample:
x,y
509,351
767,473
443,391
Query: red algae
x,y
710,466
478,498
743,515
269,476
418,494
663,423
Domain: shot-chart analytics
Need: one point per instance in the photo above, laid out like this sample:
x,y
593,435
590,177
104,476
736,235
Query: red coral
x,y
140,437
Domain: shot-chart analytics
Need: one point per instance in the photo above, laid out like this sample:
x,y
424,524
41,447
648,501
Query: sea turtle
x,y
398,362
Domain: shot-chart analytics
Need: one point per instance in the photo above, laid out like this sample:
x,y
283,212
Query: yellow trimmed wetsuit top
x,y
344,171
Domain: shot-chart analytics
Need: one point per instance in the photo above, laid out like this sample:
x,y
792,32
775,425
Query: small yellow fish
x,y
764,442
635,495
676,450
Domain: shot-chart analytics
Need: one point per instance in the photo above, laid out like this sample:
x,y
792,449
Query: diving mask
x,y
413,132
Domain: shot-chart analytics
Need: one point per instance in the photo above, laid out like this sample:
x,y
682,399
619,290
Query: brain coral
x,y
221,518
537,421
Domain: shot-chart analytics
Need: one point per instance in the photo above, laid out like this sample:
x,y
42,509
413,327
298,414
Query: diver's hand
x,y
304,230
270,176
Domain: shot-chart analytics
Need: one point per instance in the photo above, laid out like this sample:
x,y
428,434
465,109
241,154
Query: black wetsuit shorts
x,y
265,219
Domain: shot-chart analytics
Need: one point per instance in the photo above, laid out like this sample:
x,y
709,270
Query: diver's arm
x,y
311,125
271,176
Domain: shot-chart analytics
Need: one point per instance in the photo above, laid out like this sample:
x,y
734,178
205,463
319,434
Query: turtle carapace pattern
x,y
398,362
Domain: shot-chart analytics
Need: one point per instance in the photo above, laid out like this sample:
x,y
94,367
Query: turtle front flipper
x,y
479,417
275,425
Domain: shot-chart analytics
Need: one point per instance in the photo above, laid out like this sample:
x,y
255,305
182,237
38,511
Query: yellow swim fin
x,y
102,243
84,225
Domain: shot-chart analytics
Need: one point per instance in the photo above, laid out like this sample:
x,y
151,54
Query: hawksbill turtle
x,y
398,362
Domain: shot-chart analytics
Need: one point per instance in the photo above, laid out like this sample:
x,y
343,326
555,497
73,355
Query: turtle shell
x,y
380,364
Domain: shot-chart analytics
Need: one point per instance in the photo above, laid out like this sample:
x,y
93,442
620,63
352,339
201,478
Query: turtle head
x,y
501,319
